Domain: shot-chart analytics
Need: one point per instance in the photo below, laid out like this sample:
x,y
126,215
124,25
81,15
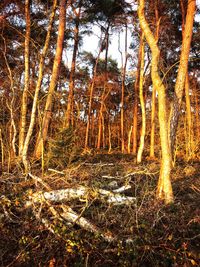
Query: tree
x,y
57,61
68,115
124,65
153,102
22,127
142,101
37,89
182,71
164,190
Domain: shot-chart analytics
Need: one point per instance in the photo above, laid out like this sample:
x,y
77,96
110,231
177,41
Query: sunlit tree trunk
x,y
69,111
109,138
22,128
197,110
57,60
129,140
164,189
142,103
38,86
182,71
188,137
153,101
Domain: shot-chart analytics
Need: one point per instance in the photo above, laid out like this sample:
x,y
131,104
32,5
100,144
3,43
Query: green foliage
x,y
62,149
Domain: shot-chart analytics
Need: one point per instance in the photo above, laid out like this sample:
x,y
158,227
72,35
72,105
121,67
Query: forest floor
x,y
144,232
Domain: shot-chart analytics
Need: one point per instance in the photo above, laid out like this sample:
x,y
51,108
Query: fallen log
x,y
83,194
67,214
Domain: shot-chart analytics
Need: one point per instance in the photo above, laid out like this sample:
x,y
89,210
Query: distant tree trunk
x,y
104,95
91,89
22,128
38,86
69,111
123,89
142,103
109,138
129,140
182,71
10,106
153,102
164,189
56,65
135,110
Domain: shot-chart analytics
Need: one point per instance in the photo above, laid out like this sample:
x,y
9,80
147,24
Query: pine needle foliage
x,y
62,149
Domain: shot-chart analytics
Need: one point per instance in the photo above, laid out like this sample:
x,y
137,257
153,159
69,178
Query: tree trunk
x,y
188,137
104,95
22,128
56,65
164,190
38,86
69,111
142,103
123,89
197,109
135,111
91,89
182,71
153,102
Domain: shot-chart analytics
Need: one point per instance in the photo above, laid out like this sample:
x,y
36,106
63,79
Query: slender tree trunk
x,y
38,86
197,110
104,95
164,190
91,89
109,138
123,89
129,140
12,128
135,110
153,103
69,112
142,103
56,65
188,137
182,71
22,129
153,115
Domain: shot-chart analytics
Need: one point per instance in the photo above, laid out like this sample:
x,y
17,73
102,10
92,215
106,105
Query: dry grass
x,y
159,235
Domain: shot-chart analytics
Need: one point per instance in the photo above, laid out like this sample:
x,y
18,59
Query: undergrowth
x,y
159,235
